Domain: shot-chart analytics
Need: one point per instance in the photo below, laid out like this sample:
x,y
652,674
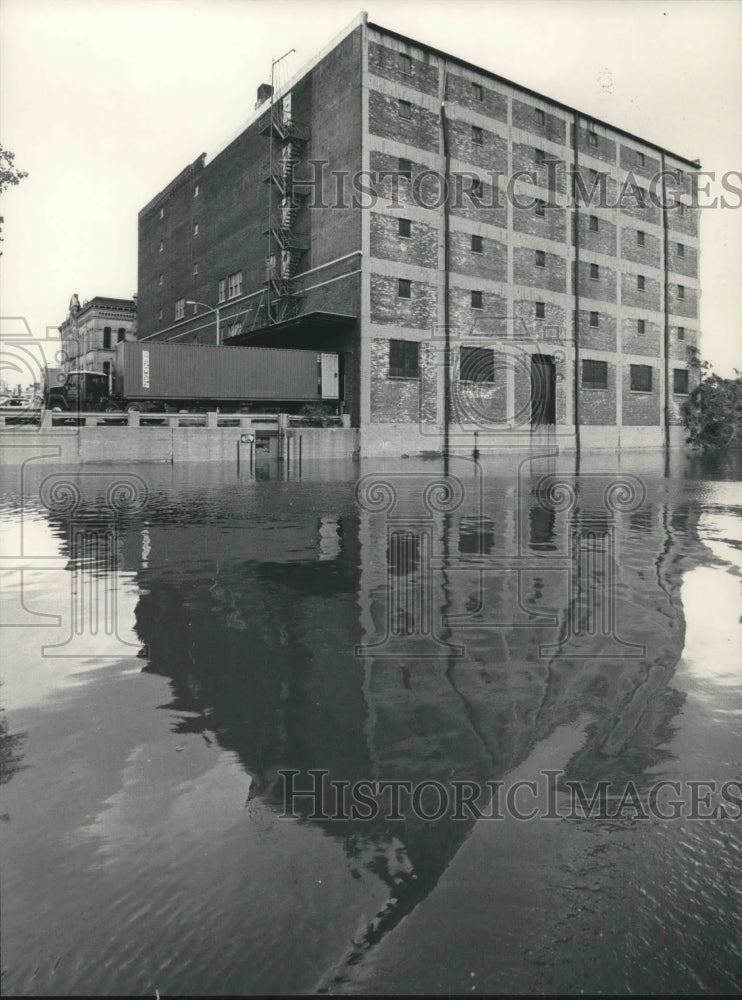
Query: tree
x,y
712,413
10,175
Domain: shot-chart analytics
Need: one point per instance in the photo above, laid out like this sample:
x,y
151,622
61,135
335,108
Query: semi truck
x,y
162,378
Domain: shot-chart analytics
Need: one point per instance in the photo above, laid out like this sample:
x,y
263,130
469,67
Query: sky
x,y
105,101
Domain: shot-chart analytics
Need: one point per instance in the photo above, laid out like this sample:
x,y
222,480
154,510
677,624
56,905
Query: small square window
x,y
477,244
540,207
594,272
681,250
641,282
640,378
594,223
405,168
405,228
476,300
222,290
595,374
540,117
405,109
405,63
404,288
594,319
641,327
681,333
196,190
477,91
404,359
681,291
593,139
540,258
680,381
540,310
641,238
641,159
477,135
539,156
680,176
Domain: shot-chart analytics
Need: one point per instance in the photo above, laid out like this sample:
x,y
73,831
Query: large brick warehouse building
x,y
483,259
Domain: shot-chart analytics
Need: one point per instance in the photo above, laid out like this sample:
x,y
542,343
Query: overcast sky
x,y
104,101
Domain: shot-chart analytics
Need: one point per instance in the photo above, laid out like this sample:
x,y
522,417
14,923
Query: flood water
x,y
177,639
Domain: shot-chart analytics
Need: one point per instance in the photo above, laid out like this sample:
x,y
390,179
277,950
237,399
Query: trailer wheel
x,y
134,408
111,408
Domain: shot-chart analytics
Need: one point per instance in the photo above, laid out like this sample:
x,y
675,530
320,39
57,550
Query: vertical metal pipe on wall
x,y
576,281
666,305
447,274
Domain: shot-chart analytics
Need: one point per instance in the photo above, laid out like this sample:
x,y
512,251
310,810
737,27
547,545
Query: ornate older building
x,y
91,331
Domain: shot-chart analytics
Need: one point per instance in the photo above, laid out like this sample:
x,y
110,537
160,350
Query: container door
x,y
329,376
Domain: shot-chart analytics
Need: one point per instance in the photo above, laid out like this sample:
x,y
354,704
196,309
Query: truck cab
x,y
81,390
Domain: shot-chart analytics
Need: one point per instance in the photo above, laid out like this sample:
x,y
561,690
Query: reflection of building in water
x,y
254,611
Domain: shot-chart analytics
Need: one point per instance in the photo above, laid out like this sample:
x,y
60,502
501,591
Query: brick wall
x,y
459,91
524,117
598,406
648,343
491,154
420,130
650,254
525,271
395,400
629,161
420,311
490,207
605,149
687,306
632,295
420,248
600,289
602,240
552,225
541,174
489,321
640,408
385,62
491,263
601,337
479,403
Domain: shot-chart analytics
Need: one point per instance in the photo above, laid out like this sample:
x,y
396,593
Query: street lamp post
x,y
192,302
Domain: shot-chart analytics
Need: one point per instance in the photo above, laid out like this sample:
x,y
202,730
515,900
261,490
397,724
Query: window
x,y
405,63
641,327
222,289
476,300
477,188
681,333
160,280
195,229
477,364
121,335
180,309
162,213
680,381
594,319
641,282
234,284
403,359
477,135
196,190
681,250
641,238
162,245
195,269
594,223
477,244
405,109
640,378
404,288
594,272
680,176
107,338
641,159
593,175
540,258
539,156
540,207
159,314
594,374
681,208
540,310
681,291
593,139
477,91
405,168
405,228
540,117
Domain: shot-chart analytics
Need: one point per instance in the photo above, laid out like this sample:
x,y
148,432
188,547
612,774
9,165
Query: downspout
x,y
447,274
666,305
576,283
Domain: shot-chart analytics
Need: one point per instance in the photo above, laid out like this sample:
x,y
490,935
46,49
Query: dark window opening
x,y
405,109
404,359
404,288
680,382
405,227
595,374
477,244
477,364
476,300
594,319
540,310
641,378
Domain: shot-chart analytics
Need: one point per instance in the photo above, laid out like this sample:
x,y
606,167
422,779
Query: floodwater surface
x,y
541,665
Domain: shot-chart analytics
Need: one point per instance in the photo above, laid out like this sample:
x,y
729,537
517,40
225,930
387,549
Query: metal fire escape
x,y
284,244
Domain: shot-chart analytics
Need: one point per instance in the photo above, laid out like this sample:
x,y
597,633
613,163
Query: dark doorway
x,y
543,390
